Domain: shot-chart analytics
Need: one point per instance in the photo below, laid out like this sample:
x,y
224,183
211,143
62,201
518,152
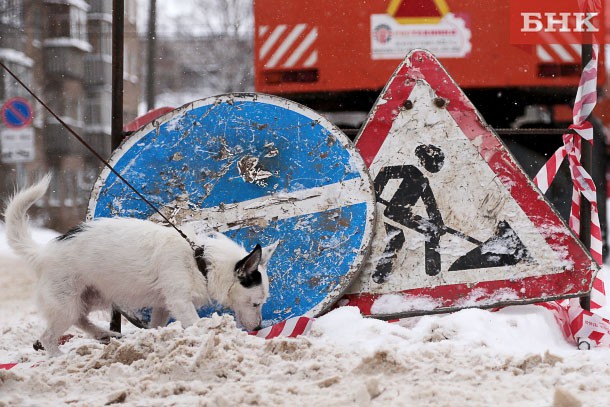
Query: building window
x,y
93,111
106,39
73,109
54,192
38,24
11,13
131,11
131,64
98,110
58,21
67,21
100,37
78,24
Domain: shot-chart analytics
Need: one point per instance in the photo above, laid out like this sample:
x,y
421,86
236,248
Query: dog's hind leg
x,y
159,317
101,334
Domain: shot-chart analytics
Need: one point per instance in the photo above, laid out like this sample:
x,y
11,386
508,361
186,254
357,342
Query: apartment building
x,y
62,50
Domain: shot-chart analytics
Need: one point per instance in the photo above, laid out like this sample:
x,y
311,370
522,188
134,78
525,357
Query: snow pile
x,y
516,356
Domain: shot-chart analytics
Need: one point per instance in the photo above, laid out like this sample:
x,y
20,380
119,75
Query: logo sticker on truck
x,y
429,26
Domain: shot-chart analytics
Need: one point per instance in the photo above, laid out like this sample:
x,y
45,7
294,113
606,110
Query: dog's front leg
x,y
50,337
183,311
159,317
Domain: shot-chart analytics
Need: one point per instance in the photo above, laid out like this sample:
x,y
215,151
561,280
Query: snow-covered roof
x,y
68,42
18,57
83,5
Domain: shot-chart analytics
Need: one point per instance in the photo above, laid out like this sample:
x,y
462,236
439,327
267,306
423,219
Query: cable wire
x,y
98,156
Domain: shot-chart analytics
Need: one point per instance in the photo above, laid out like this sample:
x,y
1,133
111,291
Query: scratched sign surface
x,y
260,169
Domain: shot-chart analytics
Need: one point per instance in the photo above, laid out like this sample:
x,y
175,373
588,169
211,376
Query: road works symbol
x,y
460,224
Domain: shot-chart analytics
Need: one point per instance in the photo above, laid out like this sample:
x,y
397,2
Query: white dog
x,y
134,264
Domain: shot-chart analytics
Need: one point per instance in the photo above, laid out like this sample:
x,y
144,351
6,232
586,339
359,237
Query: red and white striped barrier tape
x,y
7,366
18,366
580,326
562,318
582,182
289,328
588,328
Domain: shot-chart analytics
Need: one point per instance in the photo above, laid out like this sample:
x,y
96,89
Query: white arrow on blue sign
x,y
260,169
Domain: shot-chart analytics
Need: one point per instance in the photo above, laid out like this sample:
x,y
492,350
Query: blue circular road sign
x,y
16,113
260,169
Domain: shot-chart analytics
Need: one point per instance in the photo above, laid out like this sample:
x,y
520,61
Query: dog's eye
x,y
256,305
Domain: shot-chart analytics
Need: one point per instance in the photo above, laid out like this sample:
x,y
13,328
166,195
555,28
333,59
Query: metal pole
x,y
118,30
151,55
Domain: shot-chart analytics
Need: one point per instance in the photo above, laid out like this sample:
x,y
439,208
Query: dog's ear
x,y
247,268
268,252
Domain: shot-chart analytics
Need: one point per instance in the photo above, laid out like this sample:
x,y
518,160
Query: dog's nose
x,y
258,328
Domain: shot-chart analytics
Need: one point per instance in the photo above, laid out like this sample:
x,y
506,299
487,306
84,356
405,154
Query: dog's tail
x,y
18,232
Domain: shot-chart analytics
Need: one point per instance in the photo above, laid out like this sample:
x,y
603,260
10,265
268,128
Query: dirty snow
x,y
516,356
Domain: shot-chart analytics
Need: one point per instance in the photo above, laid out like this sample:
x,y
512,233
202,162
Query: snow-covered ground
x,y
514,357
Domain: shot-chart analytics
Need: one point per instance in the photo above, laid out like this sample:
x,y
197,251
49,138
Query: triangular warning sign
x,y
418,12
459,223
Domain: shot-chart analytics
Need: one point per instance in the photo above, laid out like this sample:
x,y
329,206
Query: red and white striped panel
x,y
558,53
288,46
559,48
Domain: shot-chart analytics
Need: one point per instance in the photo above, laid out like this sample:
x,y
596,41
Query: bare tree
x,y
217,37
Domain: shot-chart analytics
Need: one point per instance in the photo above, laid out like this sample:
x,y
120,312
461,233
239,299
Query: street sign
x,y
260,169
16,113
459,223
17,145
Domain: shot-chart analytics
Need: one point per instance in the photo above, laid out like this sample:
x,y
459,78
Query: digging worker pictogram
x,y
413,186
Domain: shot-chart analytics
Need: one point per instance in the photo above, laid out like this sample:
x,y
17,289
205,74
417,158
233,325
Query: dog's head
x,y
251,287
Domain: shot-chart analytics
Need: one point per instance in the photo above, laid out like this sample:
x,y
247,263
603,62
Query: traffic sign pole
x,y
118,28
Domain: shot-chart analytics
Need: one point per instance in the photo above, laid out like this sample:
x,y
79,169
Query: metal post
x,y
118,29
151,55
118,18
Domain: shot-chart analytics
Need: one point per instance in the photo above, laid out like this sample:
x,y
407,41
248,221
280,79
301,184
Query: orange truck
x,y
335,56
